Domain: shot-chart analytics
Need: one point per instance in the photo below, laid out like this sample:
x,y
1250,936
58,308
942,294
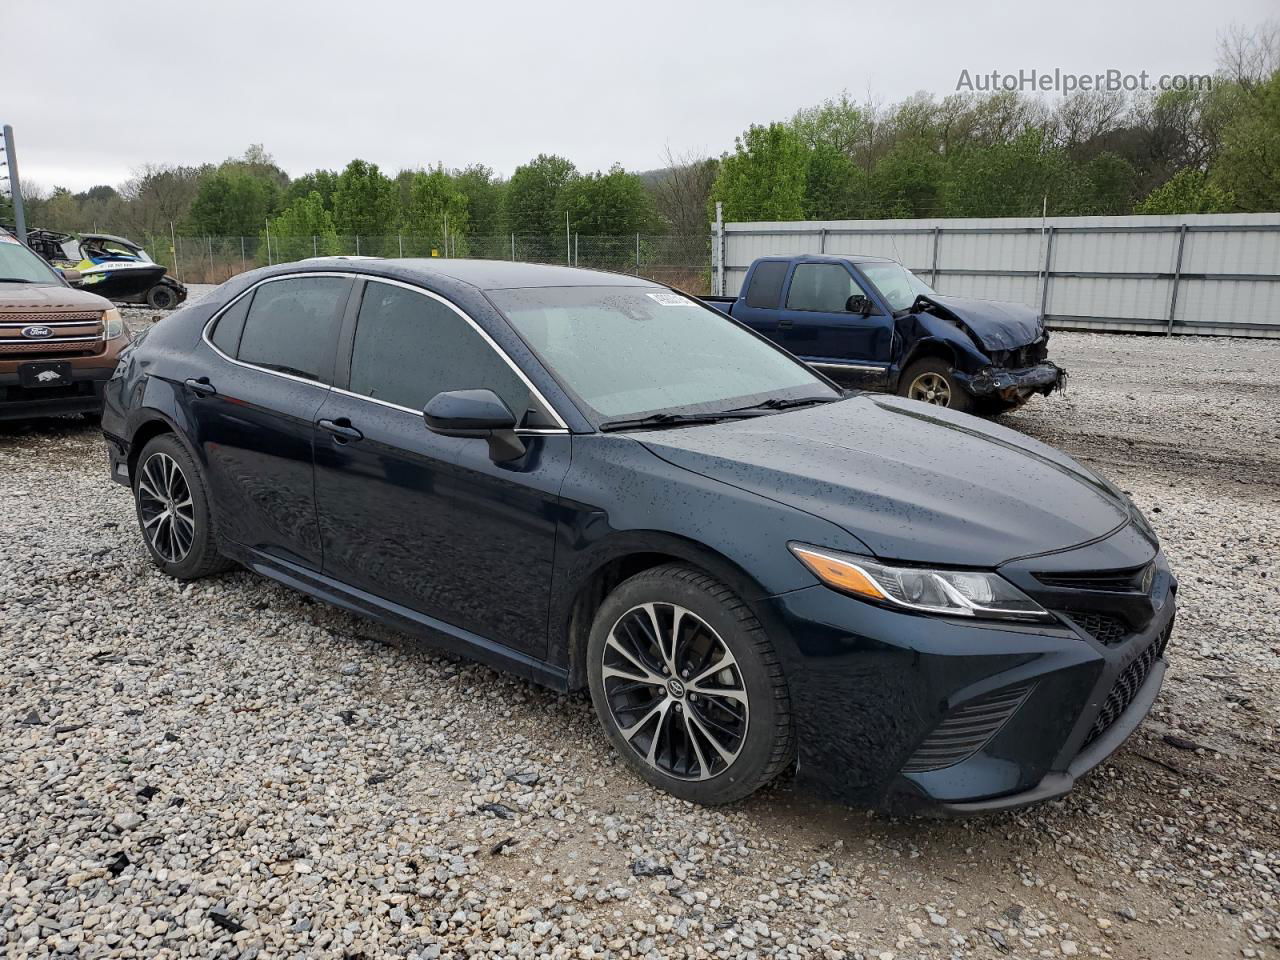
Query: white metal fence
x,y
1207,273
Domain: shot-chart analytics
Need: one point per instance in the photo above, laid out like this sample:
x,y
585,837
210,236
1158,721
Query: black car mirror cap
x,y
478,414
860,304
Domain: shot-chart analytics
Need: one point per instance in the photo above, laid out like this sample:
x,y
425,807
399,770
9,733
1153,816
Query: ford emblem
x,y
36,333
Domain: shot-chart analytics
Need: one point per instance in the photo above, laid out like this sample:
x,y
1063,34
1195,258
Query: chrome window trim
x,y
369,278
879,368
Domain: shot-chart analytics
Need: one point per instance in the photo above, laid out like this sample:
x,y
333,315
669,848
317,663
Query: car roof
x,y
828,258
499,274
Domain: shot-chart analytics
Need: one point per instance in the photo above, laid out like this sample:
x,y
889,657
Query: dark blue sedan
x,y
595,481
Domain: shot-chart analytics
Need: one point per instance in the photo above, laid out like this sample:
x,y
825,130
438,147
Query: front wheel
x,y
173,511
933,380
162,297
688,687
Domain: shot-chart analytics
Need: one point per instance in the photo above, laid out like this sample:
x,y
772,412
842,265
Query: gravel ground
x,y
230,769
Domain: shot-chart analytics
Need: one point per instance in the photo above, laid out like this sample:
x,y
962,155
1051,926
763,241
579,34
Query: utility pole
x,y
15,186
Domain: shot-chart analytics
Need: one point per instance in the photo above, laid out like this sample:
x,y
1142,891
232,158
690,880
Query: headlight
x,y
112,324
953,593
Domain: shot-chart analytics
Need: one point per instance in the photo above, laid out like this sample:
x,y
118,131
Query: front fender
x,y
923,333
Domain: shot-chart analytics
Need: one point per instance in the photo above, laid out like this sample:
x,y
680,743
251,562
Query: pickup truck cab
x,y
871,322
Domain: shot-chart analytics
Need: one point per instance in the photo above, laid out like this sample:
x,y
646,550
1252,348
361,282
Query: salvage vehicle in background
x,y
112,267
58,345
594,481
871,322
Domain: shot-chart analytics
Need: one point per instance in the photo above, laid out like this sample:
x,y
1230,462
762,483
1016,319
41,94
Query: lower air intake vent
x,y
966,729
1127,686
1104,629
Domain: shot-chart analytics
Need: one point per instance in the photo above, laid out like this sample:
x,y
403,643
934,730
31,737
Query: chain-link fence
x,y
683,262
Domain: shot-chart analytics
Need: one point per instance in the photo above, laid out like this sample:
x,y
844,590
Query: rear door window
x,y
226,332
766,284
292,326
409,347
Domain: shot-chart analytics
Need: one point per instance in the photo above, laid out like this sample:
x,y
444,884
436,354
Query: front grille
x,y
1130,580
74,335
1104,629
965,730
1125,689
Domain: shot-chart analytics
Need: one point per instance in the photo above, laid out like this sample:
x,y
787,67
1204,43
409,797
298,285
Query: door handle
x,y
784,323
201,387
341,429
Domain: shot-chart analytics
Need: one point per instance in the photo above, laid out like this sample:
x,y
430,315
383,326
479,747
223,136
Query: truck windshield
x,y
20,265
635,351
898,285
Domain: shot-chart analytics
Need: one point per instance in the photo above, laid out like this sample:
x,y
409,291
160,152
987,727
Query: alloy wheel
x,y
166,509
931,388
675,691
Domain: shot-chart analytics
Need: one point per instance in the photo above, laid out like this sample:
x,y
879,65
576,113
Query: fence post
x,y
400,244
209,241
637,254
315,246
1044,290
717,251
270,262
933,274
513,247
568,253
357,244
243,267
575,250
822,240
173,242
1177,275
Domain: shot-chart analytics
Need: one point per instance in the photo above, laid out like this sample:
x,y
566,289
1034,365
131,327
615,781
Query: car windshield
x,y
20,265
627,352
898,285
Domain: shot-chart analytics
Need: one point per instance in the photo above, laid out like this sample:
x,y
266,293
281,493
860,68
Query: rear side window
x,y
766,284
409,347
822,287
226,333
292,326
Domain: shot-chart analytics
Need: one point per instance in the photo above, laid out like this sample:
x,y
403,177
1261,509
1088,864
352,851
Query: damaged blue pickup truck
x,y
872,323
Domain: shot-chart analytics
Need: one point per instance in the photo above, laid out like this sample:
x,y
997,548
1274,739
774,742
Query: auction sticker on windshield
x,y
669,299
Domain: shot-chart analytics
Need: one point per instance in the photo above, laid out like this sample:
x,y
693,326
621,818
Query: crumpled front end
x,y
1014,386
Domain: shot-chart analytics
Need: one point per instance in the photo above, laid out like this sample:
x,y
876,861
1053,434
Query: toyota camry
x,y
597,482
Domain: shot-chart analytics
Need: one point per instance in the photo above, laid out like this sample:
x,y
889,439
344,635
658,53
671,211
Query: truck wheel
x,y
688,686
932,380
173,511
162,297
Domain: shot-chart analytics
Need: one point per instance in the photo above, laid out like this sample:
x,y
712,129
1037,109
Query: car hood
x,y
996,324
911,481
47,298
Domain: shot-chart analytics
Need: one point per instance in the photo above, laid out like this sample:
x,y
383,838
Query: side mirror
x,y
71,276
475,413
860,304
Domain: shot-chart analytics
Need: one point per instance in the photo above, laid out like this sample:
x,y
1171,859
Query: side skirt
x,y
437,633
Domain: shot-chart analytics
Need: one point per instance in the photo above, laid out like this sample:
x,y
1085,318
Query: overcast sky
x,y
95,89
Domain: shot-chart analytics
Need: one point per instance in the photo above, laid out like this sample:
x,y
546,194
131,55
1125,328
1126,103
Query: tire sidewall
x,y
162,292
744,775
961,401
202,544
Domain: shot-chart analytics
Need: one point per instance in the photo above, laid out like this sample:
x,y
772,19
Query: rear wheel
x,y
173,511
688,687
162,297
933,380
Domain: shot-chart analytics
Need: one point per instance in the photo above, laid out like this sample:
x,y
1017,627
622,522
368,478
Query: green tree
x,y
232,203
436,211
837,123
365,206
1013,179
1187,191
1248,165
906,183
303,229
765,177
535,195
609,204
1109,186
484,198
834,186
323,182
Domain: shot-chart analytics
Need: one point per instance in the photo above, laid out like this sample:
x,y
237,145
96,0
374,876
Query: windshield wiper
x,y
669,420
783,403
17,280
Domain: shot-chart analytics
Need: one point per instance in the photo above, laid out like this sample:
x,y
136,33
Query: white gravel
x,y
229,769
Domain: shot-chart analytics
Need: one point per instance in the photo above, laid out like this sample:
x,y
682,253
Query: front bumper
x,y
872,688
1016,385
82,395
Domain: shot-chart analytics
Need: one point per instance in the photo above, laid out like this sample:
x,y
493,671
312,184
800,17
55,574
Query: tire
x,y
932,380
182,544
162,297
672,746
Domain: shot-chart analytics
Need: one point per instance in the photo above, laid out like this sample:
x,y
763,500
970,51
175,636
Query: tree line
x,y
1207,150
